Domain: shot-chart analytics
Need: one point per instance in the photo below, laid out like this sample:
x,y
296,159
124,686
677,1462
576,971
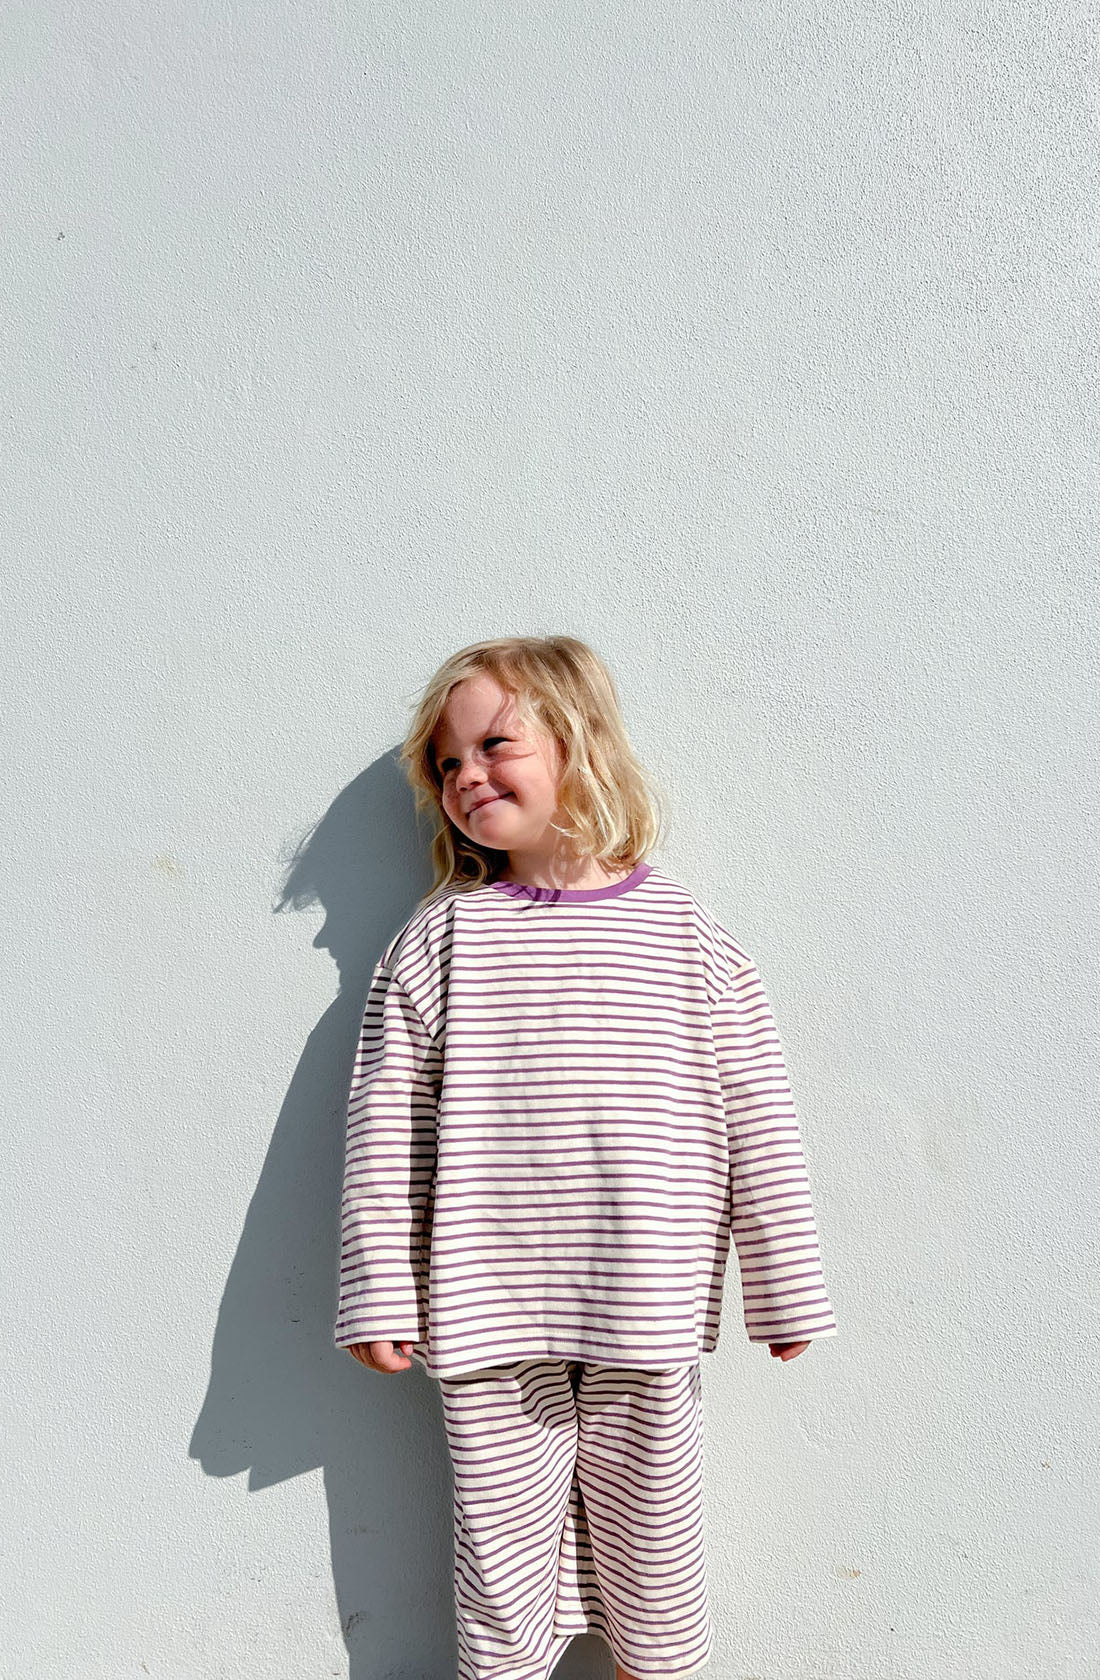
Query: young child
x,y
569,1094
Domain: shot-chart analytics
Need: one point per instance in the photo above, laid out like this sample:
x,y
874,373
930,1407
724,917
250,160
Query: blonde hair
x,y
560,686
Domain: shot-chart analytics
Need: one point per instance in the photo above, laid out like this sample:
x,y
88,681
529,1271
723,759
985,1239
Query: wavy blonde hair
x,y
561,687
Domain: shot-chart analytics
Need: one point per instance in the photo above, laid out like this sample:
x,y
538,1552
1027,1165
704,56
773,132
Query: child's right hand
x,y
381,1356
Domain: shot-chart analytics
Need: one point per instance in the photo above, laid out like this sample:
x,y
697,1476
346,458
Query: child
x,y
568,1096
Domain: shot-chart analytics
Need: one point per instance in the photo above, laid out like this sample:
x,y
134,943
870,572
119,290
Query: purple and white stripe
x,y
564,1106
578,1509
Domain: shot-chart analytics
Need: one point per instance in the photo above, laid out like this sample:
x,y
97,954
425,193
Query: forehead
x,y
473,707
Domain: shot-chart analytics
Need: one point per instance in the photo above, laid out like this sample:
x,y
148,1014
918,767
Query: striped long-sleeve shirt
x,y
564,1105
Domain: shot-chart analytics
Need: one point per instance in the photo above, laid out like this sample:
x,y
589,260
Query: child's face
x,y
490,760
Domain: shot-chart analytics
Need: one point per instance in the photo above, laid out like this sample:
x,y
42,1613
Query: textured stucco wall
x,y
759,347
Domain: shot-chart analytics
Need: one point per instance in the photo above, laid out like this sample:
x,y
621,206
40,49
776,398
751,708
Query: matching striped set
x,y
566,1105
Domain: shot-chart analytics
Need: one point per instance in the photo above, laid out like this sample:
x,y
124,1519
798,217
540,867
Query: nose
x,y
468,776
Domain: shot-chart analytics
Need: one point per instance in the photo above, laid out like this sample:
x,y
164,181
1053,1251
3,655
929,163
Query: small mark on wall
x,y
849,1574
166,864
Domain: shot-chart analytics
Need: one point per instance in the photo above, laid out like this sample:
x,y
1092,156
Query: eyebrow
x,y
498,726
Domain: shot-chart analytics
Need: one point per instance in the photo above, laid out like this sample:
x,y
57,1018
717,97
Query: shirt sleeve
x,y
389,1164
772,1220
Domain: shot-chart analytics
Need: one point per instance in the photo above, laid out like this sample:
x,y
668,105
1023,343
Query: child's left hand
x,y
786,1350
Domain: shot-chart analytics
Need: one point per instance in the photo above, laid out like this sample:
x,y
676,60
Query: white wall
x,y
756,345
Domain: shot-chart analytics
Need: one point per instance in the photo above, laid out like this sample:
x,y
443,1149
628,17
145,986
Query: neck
x,y
579,874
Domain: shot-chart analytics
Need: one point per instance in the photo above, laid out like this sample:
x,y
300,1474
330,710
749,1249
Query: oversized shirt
x,y
564,1103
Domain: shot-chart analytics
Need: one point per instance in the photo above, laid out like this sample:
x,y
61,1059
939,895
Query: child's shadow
x,y
282,1399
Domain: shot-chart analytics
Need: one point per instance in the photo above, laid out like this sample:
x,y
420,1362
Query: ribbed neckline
x,y
573,895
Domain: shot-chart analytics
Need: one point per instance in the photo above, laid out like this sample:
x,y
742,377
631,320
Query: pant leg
x,y
640,1470
525,1582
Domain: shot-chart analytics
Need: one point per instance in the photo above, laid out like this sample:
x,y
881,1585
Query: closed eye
x,y
489,740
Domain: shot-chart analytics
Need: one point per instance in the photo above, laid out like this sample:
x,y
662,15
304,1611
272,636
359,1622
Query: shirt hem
x,y
461,1367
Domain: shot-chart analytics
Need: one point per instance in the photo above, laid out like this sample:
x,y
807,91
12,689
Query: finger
x,y
386,1356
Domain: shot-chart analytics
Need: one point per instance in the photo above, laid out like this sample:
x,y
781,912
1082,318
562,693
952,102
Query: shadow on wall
x,y
282,1398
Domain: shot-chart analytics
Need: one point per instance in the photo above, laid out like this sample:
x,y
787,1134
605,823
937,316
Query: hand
x,y
786,1350
381,1356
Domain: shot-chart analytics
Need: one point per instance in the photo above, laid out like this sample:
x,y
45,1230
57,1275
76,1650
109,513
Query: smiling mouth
x,y
483,804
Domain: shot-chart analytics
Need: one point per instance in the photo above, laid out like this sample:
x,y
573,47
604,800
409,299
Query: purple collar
x,y
573,895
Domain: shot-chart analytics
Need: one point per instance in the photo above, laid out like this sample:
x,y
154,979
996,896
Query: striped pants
x,y
578,1509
